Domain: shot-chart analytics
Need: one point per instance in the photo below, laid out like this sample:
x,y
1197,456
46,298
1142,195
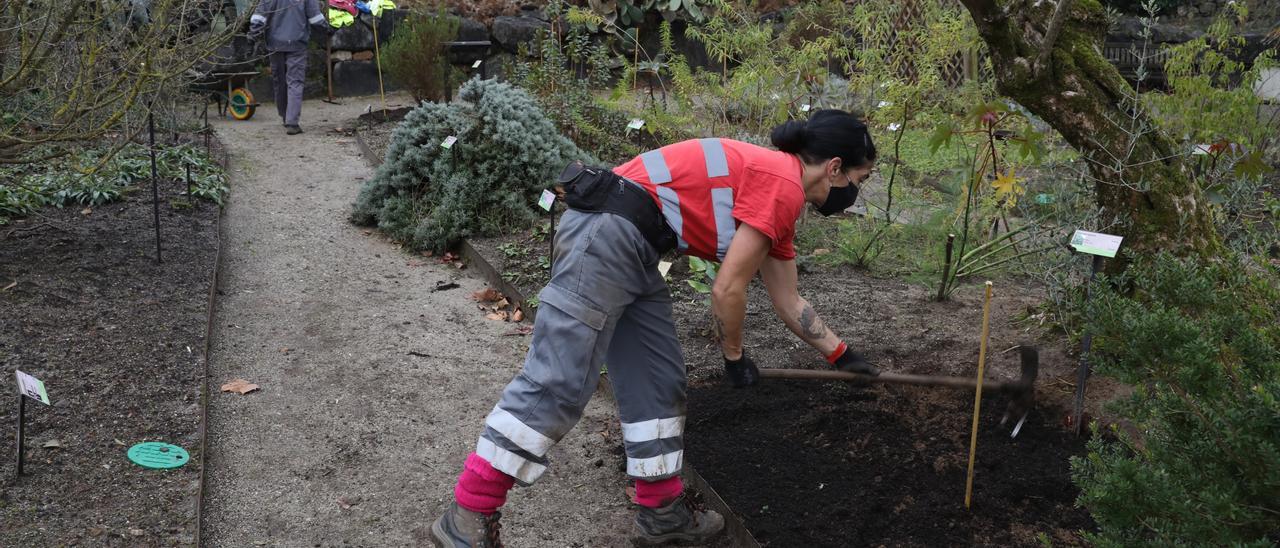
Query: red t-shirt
x,y
705,187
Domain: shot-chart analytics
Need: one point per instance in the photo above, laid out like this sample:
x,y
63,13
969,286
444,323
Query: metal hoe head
x,y
1022,393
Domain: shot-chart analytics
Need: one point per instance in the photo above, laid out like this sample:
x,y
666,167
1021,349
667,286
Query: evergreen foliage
x,y
507,152
415,55
1201,345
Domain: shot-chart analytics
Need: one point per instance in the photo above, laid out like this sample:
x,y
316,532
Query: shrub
x,y
414,56
1201,345
507,152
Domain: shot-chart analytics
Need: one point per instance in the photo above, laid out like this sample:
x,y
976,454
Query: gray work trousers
x,y
606,303
288,74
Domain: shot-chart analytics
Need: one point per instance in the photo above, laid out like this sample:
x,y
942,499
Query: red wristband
x,y
839,351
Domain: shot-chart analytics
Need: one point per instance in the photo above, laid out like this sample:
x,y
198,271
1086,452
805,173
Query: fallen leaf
x,y
499,316
86,211
10,286
503,303
517,316
240,386
118,442
52,444
460,265
366,232
284,350
487,295
347,502
96,531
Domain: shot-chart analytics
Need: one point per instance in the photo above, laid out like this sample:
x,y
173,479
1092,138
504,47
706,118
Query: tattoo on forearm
x,y
718,325
810,324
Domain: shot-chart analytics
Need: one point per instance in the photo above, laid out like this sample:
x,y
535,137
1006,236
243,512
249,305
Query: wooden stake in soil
x,y
155,192
977,397
377,60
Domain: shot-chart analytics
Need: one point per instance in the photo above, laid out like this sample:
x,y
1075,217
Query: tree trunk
x,y
1143,182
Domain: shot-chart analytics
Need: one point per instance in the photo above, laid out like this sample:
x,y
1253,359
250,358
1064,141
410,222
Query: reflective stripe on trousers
x,y
606,303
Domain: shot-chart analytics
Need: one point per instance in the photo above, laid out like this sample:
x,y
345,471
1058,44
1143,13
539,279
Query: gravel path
x,y
373,387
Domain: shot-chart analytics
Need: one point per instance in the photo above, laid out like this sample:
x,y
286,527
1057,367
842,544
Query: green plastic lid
x,y
154,454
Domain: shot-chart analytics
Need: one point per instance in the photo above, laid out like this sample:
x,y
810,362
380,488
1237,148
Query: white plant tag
x,y
546,200
1096,243
448,142
636,123
476,64
31,387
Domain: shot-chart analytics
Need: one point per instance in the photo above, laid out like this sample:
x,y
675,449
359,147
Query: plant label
x,y
805,107
476,64
636,123
32,387
448,142
1096,243
664,267
1200,150
546,200
894,126
884,104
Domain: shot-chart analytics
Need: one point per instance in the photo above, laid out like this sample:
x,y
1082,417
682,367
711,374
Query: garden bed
x,y
813,463
119,341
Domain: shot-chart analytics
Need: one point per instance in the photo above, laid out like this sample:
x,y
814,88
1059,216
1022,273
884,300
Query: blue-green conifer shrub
x,y
507,152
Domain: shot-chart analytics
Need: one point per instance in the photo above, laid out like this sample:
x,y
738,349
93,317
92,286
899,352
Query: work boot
x,y
292,130
462,528
680,522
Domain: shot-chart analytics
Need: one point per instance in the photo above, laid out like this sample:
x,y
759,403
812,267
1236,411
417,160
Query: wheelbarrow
x,y
225,75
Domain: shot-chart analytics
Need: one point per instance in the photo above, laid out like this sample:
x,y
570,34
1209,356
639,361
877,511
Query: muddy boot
x,y
462,528
681,522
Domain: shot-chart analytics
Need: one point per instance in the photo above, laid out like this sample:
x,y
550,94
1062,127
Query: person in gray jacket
x,y
287,25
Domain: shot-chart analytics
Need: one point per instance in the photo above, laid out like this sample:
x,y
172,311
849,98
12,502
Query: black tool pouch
x,y
594,189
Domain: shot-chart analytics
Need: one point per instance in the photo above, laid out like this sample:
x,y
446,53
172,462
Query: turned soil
x,y
809,463
118,340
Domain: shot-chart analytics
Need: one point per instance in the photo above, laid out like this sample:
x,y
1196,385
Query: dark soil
x,y
811,463
118,341
808,463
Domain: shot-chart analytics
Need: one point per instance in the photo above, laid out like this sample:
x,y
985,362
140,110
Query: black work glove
x,y
742,372
853,362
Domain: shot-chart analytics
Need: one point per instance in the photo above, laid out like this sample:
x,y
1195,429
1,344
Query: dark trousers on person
x,y
288,74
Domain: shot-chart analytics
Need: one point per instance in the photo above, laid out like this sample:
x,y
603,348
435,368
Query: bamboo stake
x,y
977,398
377,60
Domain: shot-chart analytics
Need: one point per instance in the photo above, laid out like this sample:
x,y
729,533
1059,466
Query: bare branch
x,y
1051,36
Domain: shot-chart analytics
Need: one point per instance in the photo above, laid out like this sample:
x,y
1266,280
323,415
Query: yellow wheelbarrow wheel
x,y
240,104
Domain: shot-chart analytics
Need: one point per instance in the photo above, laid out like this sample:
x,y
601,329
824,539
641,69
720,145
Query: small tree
x,y
415,56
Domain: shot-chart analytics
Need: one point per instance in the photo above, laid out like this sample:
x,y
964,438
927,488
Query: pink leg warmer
x,y
481,487
656,494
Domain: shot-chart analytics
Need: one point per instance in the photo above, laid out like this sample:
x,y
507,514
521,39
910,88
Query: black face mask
x,y
838,199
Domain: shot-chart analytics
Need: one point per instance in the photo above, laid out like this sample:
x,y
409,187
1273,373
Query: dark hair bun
x,y
789,137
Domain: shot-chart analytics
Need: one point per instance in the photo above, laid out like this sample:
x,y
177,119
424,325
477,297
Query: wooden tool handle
x,y
887,378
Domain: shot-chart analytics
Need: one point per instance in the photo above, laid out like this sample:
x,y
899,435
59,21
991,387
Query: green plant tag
x,y
32,387
1044,199
1096,243
158,455
546,200
448,142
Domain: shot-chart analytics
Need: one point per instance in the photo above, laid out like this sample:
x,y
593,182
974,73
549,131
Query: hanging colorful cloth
x,y
340,18
376,6
348,6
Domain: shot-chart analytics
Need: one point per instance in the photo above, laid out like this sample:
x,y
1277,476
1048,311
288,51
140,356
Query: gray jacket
x,y
287,23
